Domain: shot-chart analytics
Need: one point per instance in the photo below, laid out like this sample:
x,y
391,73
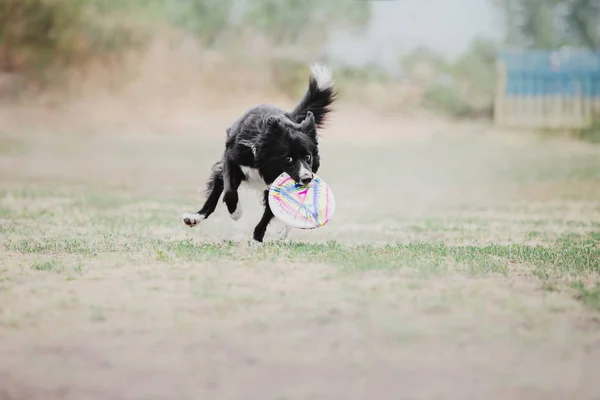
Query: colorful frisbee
x,y
304,207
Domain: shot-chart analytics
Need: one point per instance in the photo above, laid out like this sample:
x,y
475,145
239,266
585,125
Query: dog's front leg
x,y
232,178
261,227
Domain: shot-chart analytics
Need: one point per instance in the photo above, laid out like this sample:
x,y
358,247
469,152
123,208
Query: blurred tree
x,y
288,21
207,19
583,17
34,29
550,24
475,69
37,33
459,88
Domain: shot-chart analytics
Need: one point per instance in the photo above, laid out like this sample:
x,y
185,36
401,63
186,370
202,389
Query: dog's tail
x,y
318,98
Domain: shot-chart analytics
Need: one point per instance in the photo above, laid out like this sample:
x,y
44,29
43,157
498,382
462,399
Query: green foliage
x,y
289,21
583,18
207,19
550,24
590,133
446,100
540,24
476,68
38,33
460,88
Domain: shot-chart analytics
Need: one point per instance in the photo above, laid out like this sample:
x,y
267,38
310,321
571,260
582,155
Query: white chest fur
x,y
253,179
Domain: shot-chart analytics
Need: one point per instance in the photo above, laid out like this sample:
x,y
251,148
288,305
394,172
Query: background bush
x,y
36,35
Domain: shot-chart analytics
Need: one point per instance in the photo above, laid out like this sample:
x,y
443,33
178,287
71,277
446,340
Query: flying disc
x,y
301,206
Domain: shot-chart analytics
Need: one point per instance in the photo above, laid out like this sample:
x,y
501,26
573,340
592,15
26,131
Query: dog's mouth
x,y
306,183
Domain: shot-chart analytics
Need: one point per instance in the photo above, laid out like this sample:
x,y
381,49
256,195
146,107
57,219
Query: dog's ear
x,y
309,122
309,126
273,124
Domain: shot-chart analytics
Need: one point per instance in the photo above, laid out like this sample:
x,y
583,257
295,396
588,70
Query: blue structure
x,y
547,73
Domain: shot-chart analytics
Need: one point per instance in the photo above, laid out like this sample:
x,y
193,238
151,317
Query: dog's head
x,y
292,147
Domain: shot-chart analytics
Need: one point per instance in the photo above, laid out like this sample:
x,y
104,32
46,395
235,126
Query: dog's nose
x,y
306,180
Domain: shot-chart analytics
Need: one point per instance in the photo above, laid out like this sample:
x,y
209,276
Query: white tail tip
x,y
322,75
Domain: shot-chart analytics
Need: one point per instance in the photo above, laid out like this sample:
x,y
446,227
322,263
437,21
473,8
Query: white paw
x,y
192,220
237,214
255,244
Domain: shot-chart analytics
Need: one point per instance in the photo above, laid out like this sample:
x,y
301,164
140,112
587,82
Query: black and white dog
x,y
265,142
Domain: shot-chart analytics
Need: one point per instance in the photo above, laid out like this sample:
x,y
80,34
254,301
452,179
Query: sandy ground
x,y
138,324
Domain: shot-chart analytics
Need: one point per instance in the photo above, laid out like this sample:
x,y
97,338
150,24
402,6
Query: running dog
x,y
265,142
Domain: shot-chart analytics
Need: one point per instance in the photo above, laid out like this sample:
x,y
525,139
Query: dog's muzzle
x,y
305,175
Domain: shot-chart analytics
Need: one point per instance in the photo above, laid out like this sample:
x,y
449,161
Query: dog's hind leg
x,y
214,188
232,178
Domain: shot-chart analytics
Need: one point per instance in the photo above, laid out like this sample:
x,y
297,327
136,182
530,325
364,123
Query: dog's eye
x,y
308,157
289,160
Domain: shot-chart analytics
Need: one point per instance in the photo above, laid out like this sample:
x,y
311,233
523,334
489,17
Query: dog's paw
x,y
192,220
237,214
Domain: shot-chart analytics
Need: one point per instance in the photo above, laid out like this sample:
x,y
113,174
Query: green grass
x,y
58,265
115,232
59,228
589,296
571,254
590,133
48,265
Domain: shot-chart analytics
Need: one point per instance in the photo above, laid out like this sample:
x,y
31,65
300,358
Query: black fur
x,y
265,142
